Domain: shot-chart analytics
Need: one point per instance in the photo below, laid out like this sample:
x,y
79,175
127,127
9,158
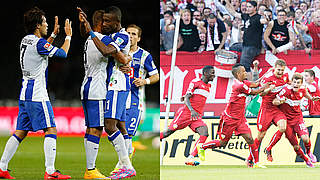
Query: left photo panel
x,y
80,90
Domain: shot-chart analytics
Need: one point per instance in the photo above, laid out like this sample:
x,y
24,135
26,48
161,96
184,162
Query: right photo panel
x,y
239,92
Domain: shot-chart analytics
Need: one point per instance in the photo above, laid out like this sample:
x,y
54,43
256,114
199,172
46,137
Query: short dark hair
x,y
253,3
235,69
311,72
97,17
32,18
282,10
168,12
115,11
212,16
206,69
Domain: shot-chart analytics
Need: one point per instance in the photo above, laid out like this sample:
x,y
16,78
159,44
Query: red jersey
x,y
200,91
291,106
314,106
314,32
237,102
279,84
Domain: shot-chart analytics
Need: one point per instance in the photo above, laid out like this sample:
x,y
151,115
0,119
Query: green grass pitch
x,y
28,162
239,173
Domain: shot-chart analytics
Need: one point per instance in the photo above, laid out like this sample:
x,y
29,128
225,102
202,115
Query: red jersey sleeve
x,y
243,88
191,88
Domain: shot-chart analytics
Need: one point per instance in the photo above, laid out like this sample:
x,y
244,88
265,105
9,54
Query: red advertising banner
x,y
69,120
189,66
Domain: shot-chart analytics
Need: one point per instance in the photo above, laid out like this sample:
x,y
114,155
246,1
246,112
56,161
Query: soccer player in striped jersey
x,y
93,93
118,87
35,110
141,65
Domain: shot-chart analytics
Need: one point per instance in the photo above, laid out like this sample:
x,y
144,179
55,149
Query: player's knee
x,y
96,131
305,139
50,130
21,134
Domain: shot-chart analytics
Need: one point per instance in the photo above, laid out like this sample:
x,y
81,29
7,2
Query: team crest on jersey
x,y
48,46
119,41
301,94
285,78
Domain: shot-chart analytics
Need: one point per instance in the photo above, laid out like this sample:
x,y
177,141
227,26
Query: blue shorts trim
x,y
34,116
116,105
133,120
94,112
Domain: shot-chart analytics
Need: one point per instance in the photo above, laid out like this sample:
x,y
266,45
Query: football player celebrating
x,y
35,110
270,114
289,100
191,113
233,117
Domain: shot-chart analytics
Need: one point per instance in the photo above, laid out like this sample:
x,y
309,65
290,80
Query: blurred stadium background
x,y
64,81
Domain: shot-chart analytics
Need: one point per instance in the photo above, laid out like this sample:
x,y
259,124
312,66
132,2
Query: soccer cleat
x,y
56,175
115,170
201,153
192,163
249,163
257,165
309,164
123,173
269,156
94,174
5,175
313,158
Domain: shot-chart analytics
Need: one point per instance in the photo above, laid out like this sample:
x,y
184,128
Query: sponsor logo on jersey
x,y
48,46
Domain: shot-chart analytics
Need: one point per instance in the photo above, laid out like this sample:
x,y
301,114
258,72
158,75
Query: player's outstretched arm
x,y
56,30
151,80
63,51
68,31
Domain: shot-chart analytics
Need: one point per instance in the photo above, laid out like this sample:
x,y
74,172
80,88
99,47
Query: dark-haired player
x,y
191,113
35,110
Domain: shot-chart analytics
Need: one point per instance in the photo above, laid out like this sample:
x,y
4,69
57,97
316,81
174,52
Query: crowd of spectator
x,y
241,25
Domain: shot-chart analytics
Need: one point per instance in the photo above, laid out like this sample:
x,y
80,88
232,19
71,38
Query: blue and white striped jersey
x,y
34,52
118,80
141,64
94,86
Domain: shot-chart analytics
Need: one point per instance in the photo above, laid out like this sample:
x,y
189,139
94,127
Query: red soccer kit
x,y
314,106
200,92
268,112
233,117
314,32
291,109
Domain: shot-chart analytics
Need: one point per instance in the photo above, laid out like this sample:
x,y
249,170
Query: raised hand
x,y
68,28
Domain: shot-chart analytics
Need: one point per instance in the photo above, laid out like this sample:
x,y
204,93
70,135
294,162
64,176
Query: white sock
x,y
92,149
119,145
127,141
130,146
49,146
9,150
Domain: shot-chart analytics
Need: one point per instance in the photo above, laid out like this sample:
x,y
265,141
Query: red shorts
x,y
299,129
183,119
267,116
228,125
